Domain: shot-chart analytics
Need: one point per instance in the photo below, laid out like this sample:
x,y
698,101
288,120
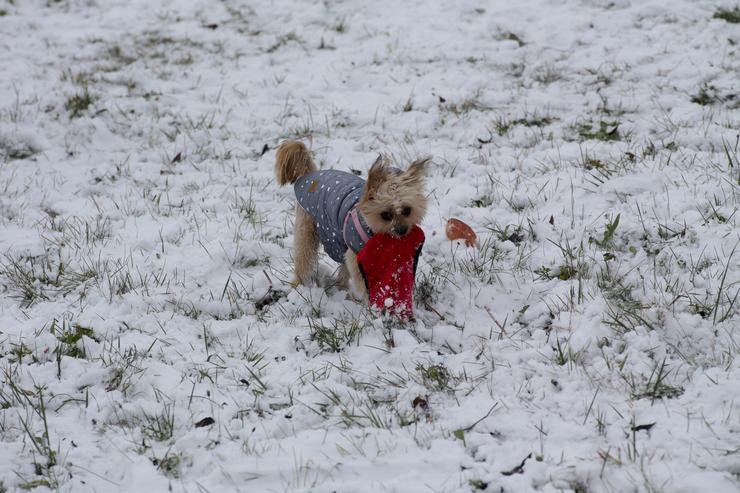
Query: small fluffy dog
x,y
342,211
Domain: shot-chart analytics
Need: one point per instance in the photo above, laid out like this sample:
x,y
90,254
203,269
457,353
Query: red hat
x,y
388,265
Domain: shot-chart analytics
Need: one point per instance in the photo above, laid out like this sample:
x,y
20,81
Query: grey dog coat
x,y
329,197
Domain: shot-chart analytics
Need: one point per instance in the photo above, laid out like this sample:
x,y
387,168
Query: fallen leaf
x,y
458,230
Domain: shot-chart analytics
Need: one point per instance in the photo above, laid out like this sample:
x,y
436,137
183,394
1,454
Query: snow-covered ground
x,y
590,344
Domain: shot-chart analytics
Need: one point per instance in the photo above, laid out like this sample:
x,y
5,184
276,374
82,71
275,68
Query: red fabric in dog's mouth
x,y
388,265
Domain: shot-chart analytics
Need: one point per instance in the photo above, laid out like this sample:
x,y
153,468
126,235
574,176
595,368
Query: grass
x,y
607,131
728,14
408,105
70,337
482,263
283,41
78,104
434,376
607,238
170,464
707,95
462,107
34,424
430,284
125,366
15,149
28,279
624,313
655,386
335,334
502,125
161,425
139,249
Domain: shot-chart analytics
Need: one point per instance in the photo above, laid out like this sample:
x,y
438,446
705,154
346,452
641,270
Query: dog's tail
x,y
293,160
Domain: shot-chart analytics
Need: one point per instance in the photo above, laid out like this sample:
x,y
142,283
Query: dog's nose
x,y
401,230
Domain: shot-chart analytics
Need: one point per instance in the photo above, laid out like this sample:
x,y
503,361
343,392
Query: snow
x,y
140,223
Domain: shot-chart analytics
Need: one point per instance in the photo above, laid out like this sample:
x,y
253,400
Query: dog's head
x,y
394,201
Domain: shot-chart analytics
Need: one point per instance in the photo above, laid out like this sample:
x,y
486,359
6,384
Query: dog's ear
x,y
377,175
416,171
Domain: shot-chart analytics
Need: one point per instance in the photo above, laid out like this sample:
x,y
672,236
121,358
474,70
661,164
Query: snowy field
x,y
590,344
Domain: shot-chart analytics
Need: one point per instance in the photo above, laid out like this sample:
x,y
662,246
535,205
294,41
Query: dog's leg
x,y
358,283
342,281
305,247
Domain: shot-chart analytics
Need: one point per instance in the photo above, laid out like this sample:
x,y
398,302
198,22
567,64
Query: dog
x,y
342,211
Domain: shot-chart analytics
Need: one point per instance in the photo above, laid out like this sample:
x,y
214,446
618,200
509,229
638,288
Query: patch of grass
x,y
714,212
516,235
160,426
78,104
82,79
731,15
435,377
283,41
730,301
611,111
624,313
116,53
11,149
340,25
78,232
471,103
357,409
611,227
27,278
477,484
124,365
20,351
708,95
170,464
70,337
607,131
649,150
429,284
409,105
502,125
564,354
574,266
481,263
335,334
484,201
510,36
35,483
702,306
562,272
35,405
655,386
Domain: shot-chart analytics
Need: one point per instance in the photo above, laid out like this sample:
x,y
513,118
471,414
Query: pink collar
x,y
357,224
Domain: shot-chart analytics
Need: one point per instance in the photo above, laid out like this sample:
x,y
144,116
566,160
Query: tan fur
x,y
388,192
358,283
293,160
384,192
305,247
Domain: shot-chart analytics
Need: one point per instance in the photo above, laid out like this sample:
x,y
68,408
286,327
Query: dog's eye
x,y
386,215
406,211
